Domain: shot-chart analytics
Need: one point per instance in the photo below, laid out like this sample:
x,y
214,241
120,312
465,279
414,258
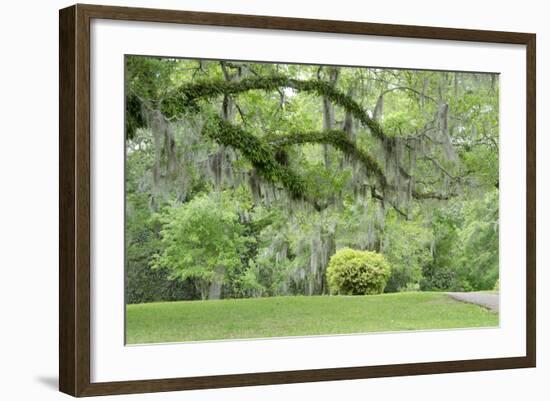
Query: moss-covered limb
x,y
340,141
322,88
262,156
258,153
186,96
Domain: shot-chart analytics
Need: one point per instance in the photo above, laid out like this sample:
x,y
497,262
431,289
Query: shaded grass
x,y
299,316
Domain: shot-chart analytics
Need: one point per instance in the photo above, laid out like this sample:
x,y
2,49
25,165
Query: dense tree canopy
x,y
243,179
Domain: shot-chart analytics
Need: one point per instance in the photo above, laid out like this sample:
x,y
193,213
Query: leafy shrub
x,y
497,285
202,240
440,278
353,272
146,285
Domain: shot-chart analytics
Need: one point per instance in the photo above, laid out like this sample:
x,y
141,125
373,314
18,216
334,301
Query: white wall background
x,y
28,198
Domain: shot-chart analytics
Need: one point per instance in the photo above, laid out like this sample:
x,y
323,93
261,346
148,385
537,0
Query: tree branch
x,y
187,95
337,139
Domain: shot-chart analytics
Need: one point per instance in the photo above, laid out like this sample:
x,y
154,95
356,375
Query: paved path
x,y
486,299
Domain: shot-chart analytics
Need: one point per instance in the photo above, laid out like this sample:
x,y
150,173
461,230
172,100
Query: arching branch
x,y
337,139
186,96
262,155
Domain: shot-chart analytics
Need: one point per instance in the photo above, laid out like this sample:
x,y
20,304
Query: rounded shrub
x,y
353,272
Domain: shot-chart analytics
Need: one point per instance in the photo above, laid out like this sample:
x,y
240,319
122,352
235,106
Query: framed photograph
x,y
250,200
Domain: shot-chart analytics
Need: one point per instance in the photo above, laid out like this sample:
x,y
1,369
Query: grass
x,y
299,316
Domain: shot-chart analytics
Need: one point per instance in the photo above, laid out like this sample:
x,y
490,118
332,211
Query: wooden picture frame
x,y
74,200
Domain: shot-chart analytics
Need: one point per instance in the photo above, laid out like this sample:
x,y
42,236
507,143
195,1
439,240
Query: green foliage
x,y
201,240
142,283
406,245
466,246
134,118
148,79
146,285
442,271
250,282
352,272
479,239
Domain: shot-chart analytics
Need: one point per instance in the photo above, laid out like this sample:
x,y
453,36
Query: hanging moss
x,y
258,153
270,158
265,156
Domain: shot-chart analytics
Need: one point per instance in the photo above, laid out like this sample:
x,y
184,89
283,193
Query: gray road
x,y
486,299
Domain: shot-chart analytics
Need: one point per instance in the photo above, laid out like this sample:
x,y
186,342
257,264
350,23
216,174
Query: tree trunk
x,y
328,110
348,128
202,287
215,290
215,287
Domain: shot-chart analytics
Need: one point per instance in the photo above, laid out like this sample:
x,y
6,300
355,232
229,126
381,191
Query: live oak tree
x,y
329,157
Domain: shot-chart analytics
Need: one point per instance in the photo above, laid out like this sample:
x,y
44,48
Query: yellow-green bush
x,y
353,272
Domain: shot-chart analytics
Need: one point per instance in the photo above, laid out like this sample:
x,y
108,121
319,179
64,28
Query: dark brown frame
x,y
74,199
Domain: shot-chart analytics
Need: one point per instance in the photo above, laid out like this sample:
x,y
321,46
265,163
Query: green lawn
x,y
299,316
